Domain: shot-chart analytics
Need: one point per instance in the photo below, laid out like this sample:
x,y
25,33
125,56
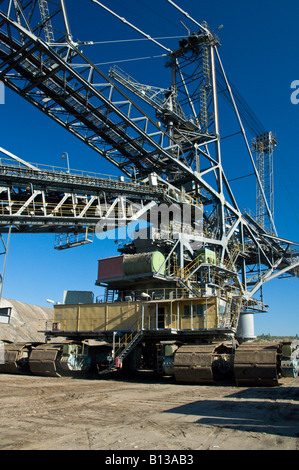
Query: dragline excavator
x,y
181,294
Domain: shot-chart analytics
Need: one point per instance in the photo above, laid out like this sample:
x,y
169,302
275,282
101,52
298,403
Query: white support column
x,y
245,329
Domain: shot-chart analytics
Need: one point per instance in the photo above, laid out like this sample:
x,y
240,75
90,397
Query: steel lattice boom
x,y
180,297
40,61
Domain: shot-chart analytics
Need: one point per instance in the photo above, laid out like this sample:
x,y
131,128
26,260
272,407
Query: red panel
x,y
110,268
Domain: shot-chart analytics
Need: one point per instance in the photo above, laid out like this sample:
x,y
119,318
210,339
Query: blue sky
x,y
259,50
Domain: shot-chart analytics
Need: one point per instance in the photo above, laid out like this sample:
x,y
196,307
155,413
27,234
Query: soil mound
x,y
26,321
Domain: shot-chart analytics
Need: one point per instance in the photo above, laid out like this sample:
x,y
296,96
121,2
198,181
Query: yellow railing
x,y
192,265
127,338
124,341
228,263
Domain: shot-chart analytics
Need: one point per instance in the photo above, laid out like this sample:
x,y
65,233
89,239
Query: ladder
x,y
109,295
234,253
229,318
46,18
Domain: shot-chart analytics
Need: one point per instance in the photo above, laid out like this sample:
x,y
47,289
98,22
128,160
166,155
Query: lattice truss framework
x,y
183,150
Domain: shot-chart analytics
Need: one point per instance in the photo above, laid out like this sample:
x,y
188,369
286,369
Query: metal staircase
x,y
183,274
194,291
126,344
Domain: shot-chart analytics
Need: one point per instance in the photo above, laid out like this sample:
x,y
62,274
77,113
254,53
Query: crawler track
x,y
43,360
16,357
257,364
194,363
34,358
249,364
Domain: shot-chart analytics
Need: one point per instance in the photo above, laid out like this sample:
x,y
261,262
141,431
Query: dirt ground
x,y
45,413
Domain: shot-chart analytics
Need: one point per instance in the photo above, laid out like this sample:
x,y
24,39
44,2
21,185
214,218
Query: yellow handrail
x,y
127,338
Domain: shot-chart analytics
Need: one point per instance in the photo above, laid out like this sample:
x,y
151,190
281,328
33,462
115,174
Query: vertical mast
x,y
263,145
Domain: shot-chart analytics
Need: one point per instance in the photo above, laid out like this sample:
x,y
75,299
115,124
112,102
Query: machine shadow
x,y
268,393
275,418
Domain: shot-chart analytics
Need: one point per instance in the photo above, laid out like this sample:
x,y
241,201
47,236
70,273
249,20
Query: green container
x,y
207,256
143,263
